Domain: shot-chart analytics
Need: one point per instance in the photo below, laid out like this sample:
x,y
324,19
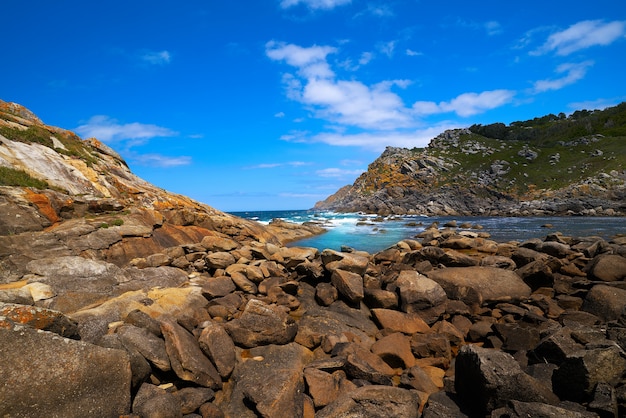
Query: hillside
x,y
62,195
551,165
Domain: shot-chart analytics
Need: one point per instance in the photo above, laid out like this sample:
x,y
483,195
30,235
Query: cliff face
x,y
554,165
61,195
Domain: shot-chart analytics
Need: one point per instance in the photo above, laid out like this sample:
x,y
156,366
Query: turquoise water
x,y
372,233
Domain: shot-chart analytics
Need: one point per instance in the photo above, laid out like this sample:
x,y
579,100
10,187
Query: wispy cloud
x,y
314,4
572,73
107,129
378,141
157,160
334,172
412,53
466,104
387,48
582,35
490,27
156,57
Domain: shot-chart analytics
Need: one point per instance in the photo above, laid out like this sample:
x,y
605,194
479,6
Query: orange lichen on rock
x,y
43,204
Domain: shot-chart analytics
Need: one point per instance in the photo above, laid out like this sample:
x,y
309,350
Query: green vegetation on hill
x,y
12,177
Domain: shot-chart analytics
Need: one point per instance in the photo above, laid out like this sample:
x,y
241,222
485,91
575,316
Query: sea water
x,y
373,233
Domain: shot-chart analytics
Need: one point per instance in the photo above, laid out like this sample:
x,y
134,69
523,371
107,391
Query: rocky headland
x,y
548,166
120,299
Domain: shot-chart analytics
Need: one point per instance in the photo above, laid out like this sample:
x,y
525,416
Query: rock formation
x,y
546,166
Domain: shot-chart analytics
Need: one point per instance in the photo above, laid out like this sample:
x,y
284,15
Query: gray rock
x,y
271,379
374,402
486,379
418,292
349,285
151,347
478,285
54,376
605,301
219,347
517,409
577,377
192,398
186,357
354,263
153,402
261,324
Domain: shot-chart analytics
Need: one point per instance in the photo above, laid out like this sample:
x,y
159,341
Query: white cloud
x,y
387,48
412,53
338,172
347,102
492,27
157,160
279,115
378,141
157,57
314,4
583,35
366,57
466,104
573,73
107,129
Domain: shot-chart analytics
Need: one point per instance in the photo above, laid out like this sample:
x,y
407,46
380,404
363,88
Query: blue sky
x,y
275,104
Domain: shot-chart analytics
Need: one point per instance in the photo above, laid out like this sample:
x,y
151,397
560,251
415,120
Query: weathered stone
x,y
218,243
517,409
261,324
478,285
607,267
379,298
100,380
517,336
400,321
146,343
325,387
431,345
153,402
191,398
40,318
417,292
270,378
219,260
215,287
487,379
577,376
556,347
219,347
374,402
139,366
395,350
349,285
605,301
186,357
416,378
143,320
441,405
242,282
354,263
325,293
363,364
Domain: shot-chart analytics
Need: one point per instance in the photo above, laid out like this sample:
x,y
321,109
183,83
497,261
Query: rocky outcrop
x,y
295,331
509,171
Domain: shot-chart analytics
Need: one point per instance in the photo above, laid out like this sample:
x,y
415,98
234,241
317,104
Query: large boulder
x,y
486,379
607,267
373,402
605,301
261,324
478,285
44,374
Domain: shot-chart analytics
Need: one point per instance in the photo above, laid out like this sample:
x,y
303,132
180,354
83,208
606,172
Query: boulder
x,y
395,350
186,357
399,321
325,387
349,285
268,379
81,379
478,285
605,301
373,402
486,379
354,263
154,402
578,375
261,324
40,318
219,347
418,292
607,268
151,347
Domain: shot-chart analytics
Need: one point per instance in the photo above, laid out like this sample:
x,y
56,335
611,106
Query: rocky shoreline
x,y
449,323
